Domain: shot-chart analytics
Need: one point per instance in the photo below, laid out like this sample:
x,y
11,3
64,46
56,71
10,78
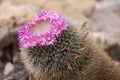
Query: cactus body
x,y
74,56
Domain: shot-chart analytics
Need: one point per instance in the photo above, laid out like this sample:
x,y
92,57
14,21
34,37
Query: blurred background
x,y
103,17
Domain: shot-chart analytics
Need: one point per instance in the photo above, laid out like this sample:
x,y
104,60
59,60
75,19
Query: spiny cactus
x,y
64,52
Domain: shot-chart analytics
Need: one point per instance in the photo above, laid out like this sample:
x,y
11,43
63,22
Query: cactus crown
x,y
30,36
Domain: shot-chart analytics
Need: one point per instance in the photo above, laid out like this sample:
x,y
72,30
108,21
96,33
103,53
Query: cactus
x,y
64,52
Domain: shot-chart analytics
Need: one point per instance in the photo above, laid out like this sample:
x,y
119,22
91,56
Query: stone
x,y
106,28
65,7
9,67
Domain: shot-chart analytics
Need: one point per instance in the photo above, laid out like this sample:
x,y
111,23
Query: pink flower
x,y
28,40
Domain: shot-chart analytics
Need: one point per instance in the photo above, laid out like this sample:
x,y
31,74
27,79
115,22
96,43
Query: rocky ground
x,y
103,17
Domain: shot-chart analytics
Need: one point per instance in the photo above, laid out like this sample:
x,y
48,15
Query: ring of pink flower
x,y
58,24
